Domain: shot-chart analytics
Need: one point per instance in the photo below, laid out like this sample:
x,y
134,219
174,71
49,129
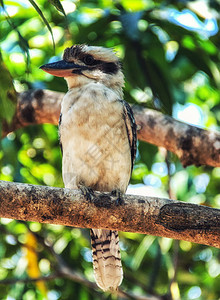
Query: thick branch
x,y
191,144
160,217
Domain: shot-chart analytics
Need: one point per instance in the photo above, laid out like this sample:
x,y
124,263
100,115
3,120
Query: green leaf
x,y
21,41
141,251
160,86
147,153
39,11
7,94
84,31
58,5
132,65
199,59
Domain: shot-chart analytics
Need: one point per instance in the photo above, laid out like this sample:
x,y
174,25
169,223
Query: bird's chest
x,y
89,118
94,139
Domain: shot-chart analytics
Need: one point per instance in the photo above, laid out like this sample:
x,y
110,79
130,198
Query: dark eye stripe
x,y
110,68
106,67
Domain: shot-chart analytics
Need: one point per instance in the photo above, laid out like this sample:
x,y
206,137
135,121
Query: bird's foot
x,y
120,199
87,192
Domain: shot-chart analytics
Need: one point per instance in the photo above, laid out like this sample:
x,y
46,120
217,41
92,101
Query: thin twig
x,y
27,280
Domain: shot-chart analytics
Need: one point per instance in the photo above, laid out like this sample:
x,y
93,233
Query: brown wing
x,y
131,130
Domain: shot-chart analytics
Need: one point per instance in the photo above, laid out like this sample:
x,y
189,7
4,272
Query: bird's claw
x,y
120,199
87,192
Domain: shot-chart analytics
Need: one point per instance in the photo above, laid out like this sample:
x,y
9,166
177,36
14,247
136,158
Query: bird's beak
x,y
62,68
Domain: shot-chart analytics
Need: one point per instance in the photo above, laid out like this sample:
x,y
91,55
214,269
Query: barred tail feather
x,y
106,259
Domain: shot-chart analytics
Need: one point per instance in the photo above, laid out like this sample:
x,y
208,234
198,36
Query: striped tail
x,y
106,259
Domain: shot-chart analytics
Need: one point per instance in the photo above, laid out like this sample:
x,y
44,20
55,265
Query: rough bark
x,y
191,144
148,215
35,107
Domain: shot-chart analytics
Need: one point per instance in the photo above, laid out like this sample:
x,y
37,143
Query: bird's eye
x,y
88,60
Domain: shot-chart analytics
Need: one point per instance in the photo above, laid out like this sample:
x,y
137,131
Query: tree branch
x,y
13,281
148,215
191,144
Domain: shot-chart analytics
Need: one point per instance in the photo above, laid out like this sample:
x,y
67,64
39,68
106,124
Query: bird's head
x,y
82,64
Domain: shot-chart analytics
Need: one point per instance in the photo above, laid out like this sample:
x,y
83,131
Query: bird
x,y
97,132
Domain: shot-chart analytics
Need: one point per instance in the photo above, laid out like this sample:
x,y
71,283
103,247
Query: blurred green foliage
x,y
168,66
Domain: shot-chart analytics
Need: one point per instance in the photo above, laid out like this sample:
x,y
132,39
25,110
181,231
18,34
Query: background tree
x,y
171,63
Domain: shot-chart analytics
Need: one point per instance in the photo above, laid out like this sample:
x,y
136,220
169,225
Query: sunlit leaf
x,y
58,5
21,40
141,251
39,11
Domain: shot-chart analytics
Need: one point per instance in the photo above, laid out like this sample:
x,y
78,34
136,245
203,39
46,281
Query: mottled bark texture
x,y
191,144
148,215
35,107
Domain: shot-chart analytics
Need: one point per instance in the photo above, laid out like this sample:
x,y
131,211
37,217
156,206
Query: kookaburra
x,y
98,138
